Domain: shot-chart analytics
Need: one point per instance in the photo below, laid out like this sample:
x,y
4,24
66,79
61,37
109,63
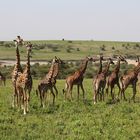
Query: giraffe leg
x,y
4,81
53,95
43,98
14,102
78,91
95,97
112,94
83,90
56,90
107,89
96,90
65,91
25,100
123,93
134,91
20,99
119,88
102,94
70,92
40,90
28,99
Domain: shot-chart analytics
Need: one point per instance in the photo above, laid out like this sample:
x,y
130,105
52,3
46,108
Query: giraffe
x,y
130,78
114,77
100,81
47,83
16,71
55,74
24,83
76,79
2,79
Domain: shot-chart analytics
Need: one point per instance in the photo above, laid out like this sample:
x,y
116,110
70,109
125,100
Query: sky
x,y
109,20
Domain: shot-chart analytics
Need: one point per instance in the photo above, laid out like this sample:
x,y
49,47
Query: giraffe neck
x,y
83,67
18,66
56,70
100,68
137,70
27,68
105,71
49,75
136,67
117,68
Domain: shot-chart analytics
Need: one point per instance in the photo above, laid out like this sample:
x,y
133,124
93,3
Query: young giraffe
x,y
55,74
100,81
114,77
2,79
47,83
24,82
130,78
76,79
100,69
16,71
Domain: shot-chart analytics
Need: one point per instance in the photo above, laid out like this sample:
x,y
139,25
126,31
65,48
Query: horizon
x,y
119,41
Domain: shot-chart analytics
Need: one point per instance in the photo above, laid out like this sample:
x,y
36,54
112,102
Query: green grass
x,y
69,120
72,50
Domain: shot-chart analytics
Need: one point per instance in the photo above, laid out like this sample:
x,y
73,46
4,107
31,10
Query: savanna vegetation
x,y
80,120
71,50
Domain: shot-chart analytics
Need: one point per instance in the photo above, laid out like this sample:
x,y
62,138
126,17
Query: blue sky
x,y
116,20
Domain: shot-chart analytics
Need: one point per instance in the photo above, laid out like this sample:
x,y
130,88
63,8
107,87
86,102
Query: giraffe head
x,y
138,61
101,57
121,58
18,41
58,60
29,46
88,58
110,61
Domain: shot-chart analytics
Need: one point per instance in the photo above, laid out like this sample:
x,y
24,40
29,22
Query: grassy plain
x,y
70,120
71,50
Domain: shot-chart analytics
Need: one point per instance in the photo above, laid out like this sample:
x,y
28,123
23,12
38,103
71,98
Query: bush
x,y
103,47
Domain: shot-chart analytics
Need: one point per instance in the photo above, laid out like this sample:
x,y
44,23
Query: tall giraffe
x,y
130,78
114,77
24,82
47,83
100,81
16,71
76,79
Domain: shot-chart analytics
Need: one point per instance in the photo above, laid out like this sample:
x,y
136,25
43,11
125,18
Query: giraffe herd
x,y
22,80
